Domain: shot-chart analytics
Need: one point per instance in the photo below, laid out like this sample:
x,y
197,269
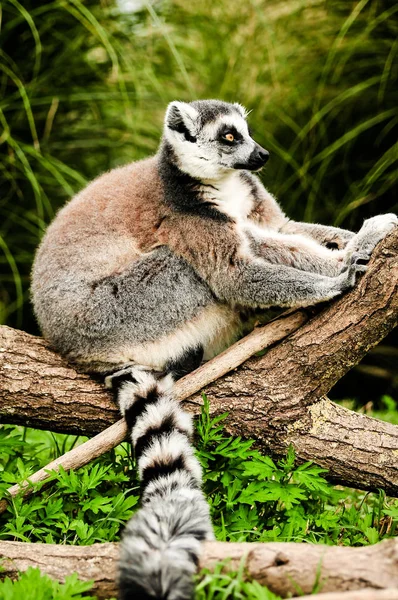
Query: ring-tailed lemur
x,y
145,272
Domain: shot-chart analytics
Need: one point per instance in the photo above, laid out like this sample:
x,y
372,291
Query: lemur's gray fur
x,y
146,272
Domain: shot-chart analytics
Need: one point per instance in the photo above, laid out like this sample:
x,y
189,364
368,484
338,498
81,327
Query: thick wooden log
x,y
277,398
39,388
368,594
282,567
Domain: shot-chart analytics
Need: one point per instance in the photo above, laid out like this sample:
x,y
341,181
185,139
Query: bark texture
x,y
280,566
278,398
367,594
40,389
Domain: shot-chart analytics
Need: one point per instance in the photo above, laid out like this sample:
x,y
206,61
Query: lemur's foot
x,y
361,246
372,232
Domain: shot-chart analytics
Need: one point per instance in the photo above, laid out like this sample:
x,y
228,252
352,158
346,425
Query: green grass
x,y
252,498
223,583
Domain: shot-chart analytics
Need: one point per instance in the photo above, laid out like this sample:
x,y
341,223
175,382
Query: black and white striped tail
x,y
161,543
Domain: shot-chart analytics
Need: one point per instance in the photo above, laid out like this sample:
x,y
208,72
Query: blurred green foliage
x,y
84,87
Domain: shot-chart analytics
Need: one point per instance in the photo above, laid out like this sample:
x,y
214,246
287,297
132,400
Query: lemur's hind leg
x,y
157,312
359,245
371,233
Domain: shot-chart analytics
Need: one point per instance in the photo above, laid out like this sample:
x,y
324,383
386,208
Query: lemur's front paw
x,y
373,231
360,259
346,280
357,260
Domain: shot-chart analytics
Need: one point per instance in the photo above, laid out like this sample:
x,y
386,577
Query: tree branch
x,y
277,398
283,567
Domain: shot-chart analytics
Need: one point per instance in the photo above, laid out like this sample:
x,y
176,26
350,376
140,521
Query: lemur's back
x,y
108,224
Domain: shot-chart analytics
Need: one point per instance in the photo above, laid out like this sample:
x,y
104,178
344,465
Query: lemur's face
x,y
210,138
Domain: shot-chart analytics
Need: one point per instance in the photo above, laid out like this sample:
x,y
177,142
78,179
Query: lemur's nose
x,y
257,159
263,155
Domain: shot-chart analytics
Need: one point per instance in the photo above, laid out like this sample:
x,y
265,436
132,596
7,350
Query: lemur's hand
x,y
336,286
373,230
346,279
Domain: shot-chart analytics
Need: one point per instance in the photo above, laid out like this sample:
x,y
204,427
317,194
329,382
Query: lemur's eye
x,y
229,136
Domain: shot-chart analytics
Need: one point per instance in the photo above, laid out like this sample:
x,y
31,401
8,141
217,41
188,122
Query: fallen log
x,y
277,398
284,568
367,594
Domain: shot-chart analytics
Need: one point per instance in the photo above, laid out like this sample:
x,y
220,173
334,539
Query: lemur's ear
x,y
182,117
241,110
